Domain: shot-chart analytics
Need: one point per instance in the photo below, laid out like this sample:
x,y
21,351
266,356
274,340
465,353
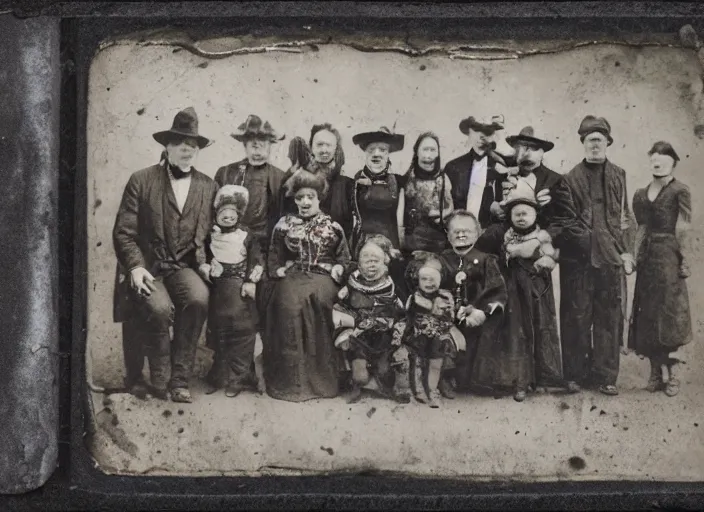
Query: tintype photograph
x,y
312,258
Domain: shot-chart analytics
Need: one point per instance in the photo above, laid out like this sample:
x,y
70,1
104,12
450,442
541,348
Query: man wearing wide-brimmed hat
x,y
593,268
556,213
477,176
159,236
257,175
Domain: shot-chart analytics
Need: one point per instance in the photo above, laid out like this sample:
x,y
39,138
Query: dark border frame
x,y
77,484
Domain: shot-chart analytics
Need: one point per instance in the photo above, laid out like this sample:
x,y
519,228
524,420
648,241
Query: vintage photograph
x,y
315,259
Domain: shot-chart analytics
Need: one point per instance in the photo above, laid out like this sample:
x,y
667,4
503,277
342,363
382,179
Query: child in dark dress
x,y
429,331
365,314
234,269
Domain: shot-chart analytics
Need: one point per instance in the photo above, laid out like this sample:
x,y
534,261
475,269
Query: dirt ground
x,y
636,435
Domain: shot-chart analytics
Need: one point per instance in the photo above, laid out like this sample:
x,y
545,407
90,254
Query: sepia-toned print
x,y
343,261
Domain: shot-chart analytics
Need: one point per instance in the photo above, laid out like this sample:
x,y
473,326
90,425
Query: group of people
x,y
414,286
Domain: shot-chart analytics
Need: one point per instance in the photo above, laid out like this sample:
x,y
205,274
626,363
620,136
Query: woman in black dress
x,y
375,196
307,260
427,199
661,320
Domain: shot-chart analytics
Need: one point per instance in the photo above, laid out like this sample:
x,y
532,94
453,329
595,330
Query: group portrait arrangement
x,y
418,285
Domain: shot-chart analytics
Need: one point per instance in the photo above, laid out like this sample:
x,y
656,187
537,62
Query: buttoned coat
x,y
139,233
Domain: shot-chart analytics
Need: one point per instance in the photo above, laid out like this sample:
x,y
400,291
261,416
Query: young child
x,y
531,341
365,314
234,269
428,331
480,298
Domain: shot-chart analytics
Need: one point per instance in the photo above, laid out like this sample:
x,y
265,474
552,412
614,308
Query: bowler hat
x,y
482,124
383,134
527,134
185,125
255,128
592,124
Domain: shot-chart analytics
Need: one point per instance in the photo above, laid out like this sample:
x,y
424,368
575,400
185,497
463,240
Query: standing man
x,y
476,182
159,237
263,182
258,176
592,270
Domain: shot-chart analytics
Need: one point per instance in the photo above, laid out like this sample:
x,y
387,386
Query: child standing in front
x,y
234,269
428,331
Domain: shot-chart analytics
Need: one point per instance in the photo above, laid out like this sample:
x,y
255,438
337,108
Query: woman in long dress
x,y
661,320
307,259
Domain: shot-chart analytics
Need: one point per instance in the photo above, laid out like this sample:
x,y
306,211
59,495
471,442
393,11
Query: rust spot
x,y
256,434
422,67
329,450
166,413
699,131
141,111
371,412
180,431
203,65
564,406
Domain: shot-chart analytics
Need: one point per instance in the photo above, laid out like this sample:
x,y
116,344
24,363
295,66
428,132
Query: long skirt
x,y
661,320
300,360
526,350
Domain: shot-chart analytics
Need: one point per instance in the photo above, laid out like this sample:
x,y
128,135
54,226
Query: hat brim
x,y
166,136
245,136
545,145
519,200
395,141
471,123
609,138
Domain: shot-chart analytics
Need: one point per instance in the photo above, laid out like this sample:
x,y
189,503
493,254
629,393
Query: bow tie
x,y
478,158
177,173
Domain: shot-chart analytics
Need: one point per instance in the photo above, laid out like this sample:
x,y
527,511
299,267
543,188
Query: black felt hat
x,y
185,125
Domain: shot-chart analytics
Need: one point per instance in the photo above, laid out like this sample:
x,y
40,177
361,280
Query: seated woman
x,y
307,259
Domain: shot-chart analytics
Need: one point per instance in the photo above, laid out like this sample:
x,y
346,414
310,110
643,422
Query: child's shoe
x,y
434,399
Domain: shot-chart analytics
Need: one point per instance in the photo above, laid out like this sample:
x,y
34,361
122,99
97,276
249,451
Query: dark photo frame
x,y
78,484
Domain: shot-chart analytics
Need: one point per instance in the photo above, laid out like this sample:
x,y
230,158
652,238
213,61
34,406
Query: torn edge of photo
x,y
304,250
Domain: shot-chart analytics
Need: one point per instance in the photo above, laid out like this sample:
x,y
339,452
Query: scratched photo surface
x,y
468,371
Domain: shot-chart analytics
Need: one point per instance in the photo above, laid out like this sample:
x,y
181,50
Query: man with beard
x,y
159,236
593,269
477,176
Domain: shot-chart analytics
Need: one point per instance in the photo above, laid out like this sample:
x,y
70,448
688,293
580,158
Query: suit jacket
x,y
139,236
459,171
232,174
619,217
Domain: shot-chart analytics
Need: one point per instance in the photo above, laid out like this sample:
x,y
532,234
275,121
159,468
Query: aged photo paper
x,y
311,259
